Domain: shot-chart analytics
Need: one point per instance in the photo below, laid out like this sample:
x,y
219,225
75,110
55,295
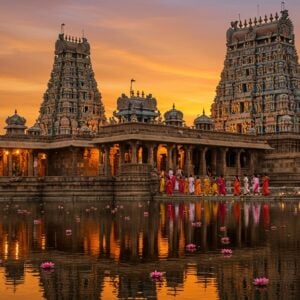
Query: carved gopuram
x,y
259,91
260,82
72,101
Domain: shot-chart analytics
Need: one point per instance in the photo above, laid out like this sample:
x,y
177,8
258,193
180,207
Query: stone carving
x,y
72,92
265,66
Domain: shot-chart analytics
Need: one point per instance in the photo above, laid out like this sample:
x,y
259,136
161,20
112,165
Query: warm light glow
x,y
6,152
17,151
6,247
43,244
174,49
17,250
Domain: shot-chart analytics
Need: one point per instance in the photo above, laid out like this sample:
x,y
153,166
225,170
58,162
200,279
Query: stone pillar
x,y
101,161
121,154
30,163
74,161
238,162
251,162
107,171
10,170
35,164
174,158
150,155
214,161
188,161
223,167
202,166
170,162
133,152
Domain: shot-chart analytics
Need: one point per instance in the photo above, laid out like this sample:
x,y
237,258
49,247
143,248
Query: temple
x,y
260,83
72,101
253,128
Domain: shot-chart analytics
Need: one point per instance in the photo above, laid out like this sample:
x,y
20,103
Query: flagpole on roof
x,y
131,81
62,27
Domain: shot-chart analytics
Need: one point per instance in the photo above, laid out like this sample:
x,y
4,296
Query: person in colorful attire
x,y
169,186
162,184
214,186
191,185
198,186
206,186
265,185
236,186
222,186
181,185
186,185
255,184
246,185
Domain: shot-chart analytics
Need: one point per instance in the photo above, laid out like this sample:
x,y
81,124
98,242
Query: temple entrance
x,y
208,160
161,158
142,155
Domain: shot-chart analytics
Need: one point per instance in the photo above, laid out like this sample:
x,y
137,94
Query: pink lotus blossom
x,y
225,240
146,214
191,247
261,281
37,222
68,231
226,252
196,224
156,275
47,265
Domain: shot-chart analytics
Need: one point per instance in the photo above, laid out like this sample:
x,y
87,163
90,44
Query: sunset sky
x,y
174,49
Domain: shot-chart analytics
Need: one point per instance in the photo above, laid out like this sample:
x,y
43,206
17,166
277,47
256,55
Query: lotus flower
x,y
226,252
47,265
37,222
196,224
146,214
156,275
191,247
225,240
68,231
261,281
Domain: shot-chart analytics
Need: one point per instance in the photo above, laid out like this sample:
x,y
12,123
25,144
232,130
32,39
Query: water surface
x,y
107,251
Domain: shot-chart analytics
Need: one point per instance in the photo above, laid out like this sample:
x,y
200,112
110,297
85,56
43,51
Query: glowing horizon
x,y
173,50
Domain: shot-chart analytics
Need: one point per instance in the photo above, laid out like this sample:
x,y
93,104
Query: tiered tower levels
x,y
260,83
72,101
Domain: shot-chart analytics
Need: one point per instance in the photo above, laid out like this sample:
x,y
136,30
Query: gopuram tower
x,y
72,102
259,90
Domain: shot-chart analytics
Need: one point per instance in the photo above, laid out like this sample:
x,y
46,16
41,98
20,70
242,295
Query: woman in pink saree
x,y
255,184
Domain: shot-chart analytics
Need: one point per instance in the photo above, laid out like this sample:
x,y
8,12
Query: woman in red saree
x,y
265,185
236,186
169,186
222,186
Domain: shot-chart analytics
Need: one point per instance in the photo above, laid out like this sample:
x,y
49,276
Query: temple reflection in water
x,y
101,250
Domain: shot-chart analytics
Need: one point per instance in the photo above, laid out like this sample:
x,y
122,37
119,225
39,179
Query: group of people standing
x,y
191,185
255,185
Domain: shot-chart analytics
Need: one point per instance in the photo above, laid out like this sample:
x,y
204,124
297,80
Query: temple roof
x,y
15,120
173,114
203,119
261,28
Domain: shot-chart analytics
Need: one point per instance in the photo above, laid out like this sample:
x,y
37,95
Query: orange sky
x,y
174,49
